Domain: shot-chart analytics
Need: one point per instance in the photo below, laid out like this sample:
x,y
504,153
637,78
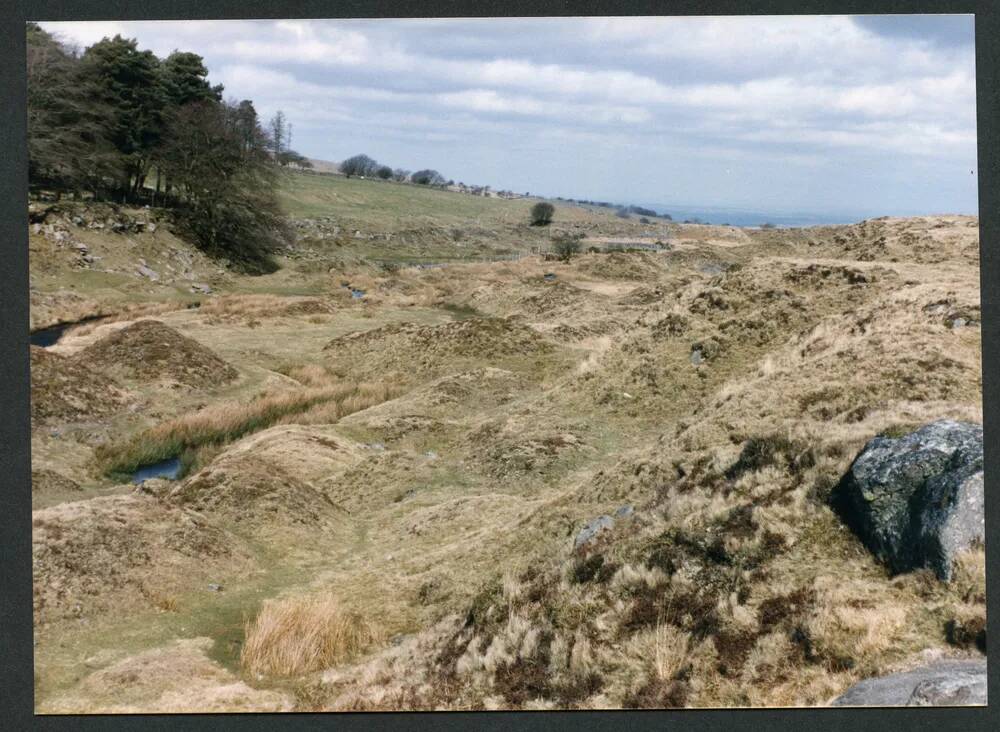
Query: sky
x,y
862,115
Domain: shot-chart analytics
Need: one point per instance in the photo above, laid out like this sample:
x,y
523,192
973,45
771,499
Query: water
x,y
168,469
48,336
45,337
740,217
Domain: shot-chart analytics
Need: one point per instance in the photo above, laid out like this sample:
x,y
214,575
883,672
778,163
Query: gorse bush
x,y
541,214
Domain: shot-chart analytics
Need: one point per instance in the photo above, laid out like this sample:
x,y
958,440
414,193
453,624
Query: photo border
x,y
16,658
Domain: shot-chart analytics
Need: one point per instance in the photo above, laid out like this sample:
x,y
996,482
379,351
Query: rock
x,y
917,501
625,512
202,288
942,683
696,357
215,588
592,529
958,323
147,272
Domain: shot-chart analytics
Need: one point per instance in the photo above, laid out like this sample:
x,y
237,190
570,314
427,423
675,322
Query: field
x,y
381,495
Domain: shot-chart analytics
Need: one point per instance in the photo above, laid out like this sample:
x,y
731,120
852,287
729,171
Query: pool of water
x,y
168,469
48,336
45,337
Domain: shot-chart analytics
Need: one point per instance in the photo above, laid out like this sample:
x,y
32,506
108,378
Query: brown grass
x,y
224,423
298,635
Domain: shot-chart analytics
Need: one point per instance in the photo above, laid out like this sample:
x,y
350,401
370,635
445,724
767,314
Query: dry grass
x,y
224,423
298,635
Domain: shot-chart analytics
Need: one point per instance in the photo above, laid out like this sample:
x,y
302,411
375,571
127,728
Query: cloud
x,y
803,91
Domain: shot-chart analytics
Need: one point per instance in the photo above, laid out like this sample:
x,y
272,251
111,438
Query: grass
x,y
388,205
221,424
300,634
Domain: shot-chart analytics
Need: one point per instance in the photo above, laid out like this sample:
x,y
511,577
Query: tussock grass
x,y
224,423
297,635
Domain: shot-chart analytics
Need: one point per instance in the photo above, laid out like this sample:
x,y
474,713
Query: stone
x,y
696,357
147,272
625,512
215,588
958,323
592,529
917,500
951,683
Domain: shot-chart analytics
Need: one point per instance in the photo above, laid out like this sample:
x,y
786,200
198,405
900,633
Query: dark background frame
x,y
16,658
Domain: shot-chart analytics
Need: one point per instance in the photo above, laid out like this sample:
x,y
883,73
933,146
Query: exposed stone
x,y
917,501
147,272
592,529
947,683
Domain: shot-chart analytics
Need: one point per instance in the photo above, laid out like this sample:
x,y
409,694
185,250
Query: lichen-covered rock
x,y
916,501
592,529
947,683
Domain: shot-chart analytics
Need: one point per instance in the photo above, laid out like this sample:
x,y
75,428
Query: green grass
x,y
390,205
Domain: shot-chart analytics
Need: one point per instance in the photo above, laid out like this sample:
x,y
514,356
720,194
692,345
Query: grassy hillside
x,y
387,205
381,495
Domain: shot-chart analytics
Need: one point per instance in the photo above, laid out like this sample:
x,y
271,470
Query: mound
x,y
49,481
407,348
96,556
150,350
179,678
65,390
269,479
620,266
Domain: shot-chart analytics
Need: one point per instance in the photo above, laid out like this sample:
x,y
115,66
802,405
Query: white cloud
x,y
795,89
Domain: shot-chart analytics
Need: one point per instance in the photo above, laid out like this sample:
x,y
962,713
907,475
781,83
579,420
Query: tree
x,y
278,128
385,172
541,213
226,181
360,165
400,175
185,79
128,80
566,245
427,178
69,124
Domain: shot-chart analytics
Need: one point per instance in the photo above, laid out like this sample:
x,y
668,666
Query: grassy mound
x,y
149,350
407,349
123,552
64,390
271,479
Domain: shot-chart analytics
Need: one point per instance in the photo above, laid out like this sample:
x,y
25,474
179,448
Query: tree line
x,y
363,166
117,123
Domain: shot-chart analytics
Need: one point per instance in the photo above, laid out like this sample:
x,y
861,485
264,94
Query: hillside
x,y
410,454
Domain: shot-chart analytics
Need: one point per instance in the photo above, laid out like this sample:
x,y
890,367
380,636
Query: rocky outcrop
x,y
947,683
917,501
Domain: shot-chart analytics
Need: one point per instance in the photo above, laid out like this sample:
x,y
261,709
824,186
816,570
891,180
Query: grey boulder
x,y
592,529
947,683
917,500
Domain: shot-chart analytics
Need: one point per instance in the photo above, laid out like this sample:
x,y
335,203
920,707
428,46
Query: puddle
x,y
45,337
168,469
